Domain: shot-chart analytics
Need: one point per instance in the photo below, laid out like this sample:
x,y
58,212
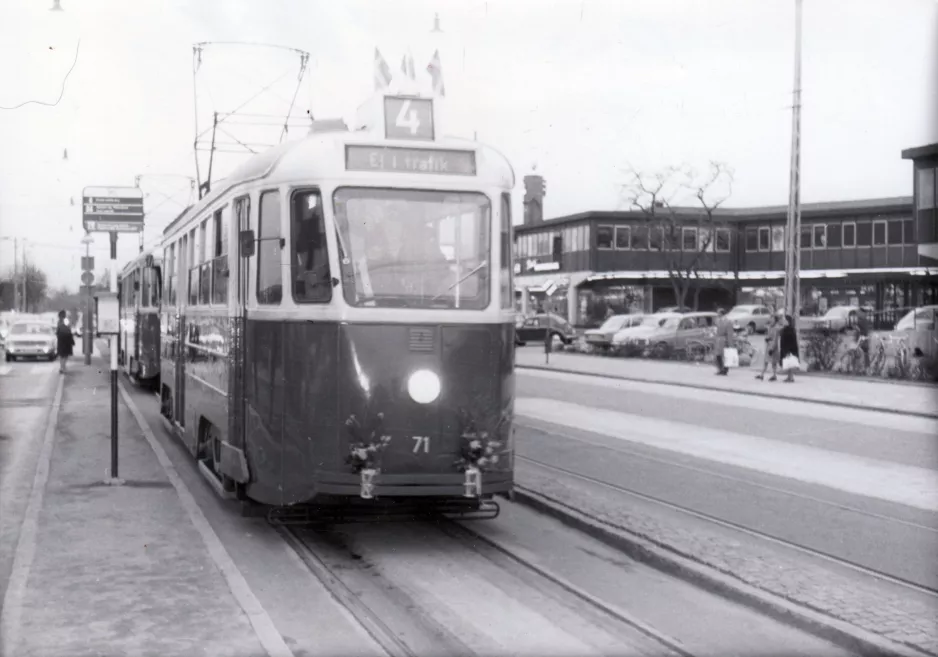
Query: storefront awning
x,y
540,282
765,275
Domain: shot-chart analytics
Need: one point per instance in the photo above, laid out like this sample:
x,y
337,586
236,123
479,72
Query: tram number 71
x,y
421,441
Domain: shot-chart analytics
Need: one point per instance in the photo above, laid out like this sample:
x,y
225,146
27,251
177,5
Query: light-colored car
x,y
837,319
920,319
602,337
30,339
750,318
674,331
640,331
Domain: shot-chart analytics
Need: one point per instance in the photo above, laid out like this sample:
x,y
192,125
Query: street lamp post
x,y
87,348
793,226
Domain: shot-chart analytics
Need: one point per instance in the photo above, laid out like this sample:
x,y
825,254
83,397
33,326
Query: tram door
x,y
181,328
236,400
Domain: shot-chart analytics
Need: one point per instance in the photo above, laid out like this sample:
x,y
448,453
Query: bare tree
x,y
681,222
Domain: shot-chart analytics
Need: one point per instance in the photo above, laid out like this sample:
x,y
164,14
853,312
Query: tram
x,y
140,285
338,318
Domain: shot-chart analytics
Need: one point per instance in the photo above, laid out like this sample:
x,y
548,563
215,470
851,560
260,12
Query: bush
x,y
820,350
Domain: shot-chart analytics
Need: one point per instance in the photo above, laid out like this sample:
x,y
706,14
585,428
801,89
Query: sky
x,y
582,90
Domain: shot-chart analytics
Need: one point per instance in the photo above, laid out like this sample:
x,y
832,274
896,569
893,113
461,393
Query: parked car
x,y
643,329
837,319
531,329
30,339
750,318
602,336
674,331
920,319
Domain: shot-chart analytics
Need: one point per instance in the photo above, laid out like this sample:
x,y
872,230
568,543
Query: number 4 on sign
x,y
407,118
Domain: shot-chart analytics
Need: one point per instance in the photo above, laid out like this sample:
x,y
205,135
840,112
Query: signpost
x,y
87,279
112,210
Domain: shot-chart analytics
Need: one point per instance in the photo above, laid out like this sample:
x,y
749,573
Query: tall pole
x,y
114,346
16,274
793,228
87,345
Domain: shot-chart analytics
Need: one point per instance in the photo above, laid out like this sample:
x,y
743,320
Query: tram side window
x,y
205,271
508,297
310,258
145,275
193,270
220,259
269,282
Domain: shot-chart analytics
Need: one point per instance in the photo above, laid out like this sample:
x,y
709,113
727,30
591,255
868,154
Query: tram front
x,y
423,357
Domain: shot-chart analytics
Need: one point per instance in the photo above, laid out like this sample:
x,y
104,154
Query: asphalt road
x,y
27,390
802,473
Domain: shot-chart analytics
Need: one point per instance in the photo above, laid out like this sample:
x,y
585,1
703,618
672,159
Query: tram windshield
x,y
414,249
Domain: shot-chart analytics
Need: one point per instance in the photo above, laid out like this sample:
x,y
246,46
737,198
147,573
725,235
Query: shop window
x,y
639,238
820,236
894,232
723,240
623,237
879,233
604,237
689,239
908,231
850,235
864,233
752,240
834,236
764,238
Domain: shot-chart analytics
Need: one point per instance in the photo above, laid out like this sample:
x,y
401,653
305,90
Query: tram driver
x,y
311,262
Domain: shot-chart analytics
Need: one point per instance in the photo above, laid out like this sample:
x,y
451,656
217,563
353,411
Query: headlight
x,y
423,386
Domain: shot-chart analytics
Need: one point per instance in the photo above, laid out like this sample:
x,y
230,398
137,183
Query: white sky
x,y
583,89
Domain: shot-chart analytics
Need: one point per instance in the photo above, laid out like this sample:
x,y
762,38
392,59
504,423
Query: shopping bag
x,y
730,357
790,362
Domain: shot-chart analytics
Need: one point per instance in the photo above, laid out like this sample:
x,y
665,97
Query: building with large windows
x,y
588,265
925,189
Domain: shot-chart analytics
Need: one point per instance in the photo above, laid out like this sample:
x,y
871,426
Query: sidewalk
x,y
863,394
113,569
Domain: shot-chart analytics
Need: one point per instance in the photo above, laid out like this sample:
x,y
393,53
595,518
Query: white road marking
x,y
260,620
911,486
26,546
723,398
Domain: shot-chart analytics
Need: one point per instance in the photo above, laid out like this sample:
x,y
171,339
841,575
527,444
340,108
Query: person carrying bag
x,y
788,349
726,355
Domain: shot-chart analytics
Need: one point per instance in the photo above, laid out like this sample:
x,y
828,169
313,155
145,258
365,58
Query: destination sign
x,y
410,160
112,209
408,118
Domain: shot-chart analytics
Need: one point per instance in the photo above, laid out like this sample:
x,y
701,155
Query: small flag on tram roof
x,y
407,66
382,71
436,72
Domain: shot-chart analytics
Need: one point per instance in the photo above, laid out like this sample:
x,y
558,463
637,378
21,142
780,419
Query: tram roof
x,y
134,262
314,155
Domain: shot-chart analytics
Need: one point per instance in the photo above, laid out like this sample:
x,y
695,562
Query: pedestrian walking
x,y
64,341
788,348
725,338
771,348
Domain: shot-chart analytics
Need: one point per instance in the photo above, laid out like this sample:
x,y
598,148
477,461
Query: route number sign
x,y
408,118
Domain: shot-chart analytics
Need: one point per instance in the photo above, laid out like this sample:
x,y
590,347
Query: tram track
x,y
388,609
736,527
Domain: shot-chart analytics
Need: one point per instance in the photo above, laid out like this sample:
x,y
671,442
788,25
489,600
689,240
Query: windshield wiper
x,y
474,271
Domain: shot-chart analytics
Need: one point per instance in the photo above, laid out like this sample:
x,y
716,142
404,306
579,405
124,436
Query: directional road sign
x,y
87,278
112,209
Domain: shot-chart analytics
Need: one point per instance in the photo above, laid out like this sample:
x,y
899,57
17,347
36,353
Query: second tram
x,y
338,318
140,289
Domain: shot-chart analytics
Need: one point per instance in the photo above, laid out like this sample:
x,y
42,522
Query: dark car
x,y
531,329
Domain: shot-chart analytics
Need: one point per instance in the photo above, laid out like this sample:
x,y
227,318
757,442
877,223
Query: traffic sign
x,y
408,118
112,209
87,290
87,278
87,263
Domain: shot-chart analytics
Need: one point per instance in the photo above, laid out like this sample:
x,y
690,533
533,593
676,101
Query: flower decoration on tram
x,y
367,446
480,449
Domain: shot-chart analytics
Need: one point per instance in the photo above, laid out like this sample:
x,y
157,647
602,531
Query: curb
x,y
752,393
695,572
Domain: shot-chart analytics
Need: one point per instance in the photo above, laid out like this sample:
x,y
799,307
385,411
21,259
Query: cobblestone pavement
x,y
859,600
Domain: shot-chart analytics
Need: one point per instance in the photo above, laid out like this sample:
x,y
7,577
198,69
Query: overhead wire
x,y
61,91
